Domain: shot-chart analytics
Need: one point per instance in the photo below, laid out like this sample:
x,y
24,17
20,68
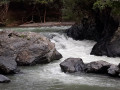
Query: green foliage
x,y
77,9
73,10
34,1
116,8
4,2
68,6
43,1
101,4
113,4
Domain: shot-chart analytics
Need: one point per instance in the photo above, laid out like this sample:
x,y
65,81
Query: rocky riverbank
x,y
108,40
72,65
24,49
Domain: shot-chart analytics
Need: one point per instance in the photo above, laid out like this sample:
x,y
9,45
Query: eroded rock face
x,y
72,65
4,79
28,48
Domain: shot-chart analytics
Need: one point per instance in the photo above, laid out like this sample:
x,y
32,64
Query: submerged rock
x,y
97,67
72,65
27,48
4,79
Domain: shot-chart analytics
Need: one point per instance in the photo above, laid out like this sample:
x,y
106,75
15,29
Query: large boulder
x,y
8,65
28,48
97,67
72,65
109,44
101,27
85,30
4,79
109,47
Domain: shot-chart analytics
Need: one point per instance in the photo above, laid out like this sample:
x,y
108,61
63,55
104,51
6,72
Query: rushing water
x,y
50,77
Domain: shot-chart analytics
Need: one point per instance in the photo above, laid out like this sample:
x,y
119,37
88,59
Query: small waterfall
x,y
78,49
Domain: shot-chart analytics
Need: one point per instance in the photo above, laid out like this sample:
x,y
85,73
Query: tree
x,y
78,9
35,4
45,3
42,2
4,6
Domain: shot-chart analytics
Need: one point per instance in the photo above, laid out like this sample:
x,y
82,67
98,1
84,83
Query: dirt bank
x,y
47,24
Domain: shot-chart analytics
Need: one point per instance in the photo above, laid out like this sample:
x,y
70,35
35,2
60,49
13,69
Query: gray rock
x,y
119,65
113,70
4,79
53,55
72,65
109,46
97,67
28,48
7,65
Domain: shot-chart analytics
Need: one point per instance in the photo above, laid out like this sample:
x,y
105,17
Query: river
x,y
50,77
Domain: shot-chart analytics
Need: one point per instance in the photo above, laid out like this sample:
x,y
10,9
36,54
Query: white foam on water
x,y
77,49
43,77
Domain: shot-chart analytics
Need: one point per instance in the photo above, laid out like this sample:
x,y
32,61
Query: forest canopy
x,y
64,10
77,9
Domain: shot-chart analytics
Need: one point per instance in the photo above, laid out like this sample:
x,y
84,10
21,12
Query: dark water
x,y
50,77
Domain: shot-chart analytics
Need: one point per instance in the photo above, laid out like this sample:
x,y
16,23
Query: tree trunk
x,y
3,13
39,14
32,18
45,14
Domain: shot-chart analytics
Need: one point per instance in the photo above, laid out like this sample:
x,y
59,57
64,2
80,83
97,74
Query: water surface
x,y
50,77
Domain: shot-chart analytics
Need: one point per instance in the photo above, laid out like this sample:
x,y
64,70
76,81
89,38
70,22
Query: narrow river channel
x,y
50,77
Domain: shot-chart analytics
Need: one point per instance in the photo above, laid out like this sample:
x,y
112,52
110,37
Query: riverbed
x,y
50,77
